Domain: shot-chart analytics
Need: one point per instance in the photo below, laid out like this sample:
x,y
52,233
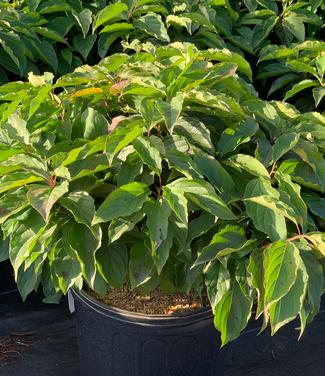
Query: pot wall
x,y
117,343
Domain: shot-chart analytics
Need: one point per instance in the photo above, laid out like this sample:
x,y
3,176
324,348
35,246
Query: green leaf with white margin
x,y
81,205
265,219
195,132
11,203
29,164
288,307
127,130
223,105
177,202
122,202
148,154
256,270
141,265
171,111
281,263
17,129
249,164
84,242
320,64
152,24
310,154
110,12
226,55
283,144
217,281
112,264
295,25
26,233
119,226
43,198
229,238
239,134
318,94
158,212
302,85
232,313
290,195
186,22
84,19
203,195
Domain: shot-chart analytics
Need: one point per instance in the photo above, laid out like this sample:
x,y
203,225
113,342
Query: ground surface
x,y
45,341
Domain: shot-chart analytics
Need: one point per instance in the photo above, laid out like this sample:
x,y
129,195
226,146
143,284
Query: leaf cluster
x,y
164,169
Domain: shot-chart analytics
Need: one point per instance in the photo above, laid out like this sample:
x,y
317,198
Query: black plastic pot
x,y
114,342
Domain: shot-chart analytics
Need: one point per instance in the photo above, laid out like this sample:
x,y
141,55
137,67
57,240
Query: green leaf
x,y
302,85
318,94
195,132
232,313
239,134
217,281
118,227
127,130
81,205
39,99
290,194
226,55
256,270
122,202
296,26
320,65
12,203
216,174
15,49
310,154
229,238
158,212
112,263
4,248
314,285
283,144
281,262
203,195
120,26
263,30
222,104
148,154
26,233
200,226
265,219
288,307
84,44
85,242
43,198
93,124
110,12
315,204
171,111
250,164
84,19
141,266
152,24
301,173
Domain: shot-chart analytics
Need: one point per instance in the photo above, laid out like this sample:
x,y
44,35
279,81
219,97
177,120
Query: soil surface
x,y
155,303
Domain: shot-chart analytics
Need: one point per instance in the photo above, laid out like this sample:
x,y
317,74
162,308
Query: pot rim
x,y
178,319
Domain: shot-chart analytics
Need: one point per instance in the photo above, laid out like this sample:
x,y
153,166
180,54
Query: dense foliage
x,y
279,38
163,168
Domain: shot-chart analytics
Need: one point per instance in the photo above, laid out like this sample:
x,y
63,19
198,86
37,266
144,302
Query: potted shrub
x,y
163,171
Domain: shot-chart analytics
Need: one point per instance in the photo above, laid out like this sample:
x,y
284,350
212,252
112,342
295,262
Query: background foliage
x,y
278,38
